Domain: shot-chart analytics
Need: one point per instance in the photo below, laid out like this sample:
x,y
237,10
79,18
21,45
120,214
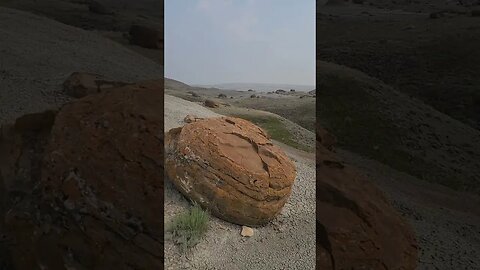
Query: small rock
x,y
193,94
211,104
190,118
247,231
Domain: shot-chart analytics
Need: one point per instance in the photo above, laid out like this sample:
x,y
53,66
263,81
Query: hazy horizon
x,y
212,42
261,87
225,83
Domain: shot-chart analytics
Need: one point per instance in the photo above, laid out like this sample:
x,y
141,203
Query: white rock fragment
x,y
246,231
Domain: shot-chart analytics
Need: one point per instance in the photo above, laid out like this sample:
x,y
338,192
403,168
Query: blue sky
x,y
240,41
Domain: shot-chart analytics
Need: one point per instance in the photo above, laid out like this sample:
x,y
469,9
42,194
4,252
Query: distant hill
x,y
261,87
377,121
298,106
443,72
174,84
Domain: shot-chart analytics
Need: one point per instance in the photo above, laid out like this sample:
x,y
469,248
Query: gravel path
x,y
446,222
288,242
37,54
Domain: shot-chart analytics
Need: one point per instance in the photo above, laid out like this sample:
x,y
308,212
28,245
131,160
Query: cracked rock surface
x,y
231,167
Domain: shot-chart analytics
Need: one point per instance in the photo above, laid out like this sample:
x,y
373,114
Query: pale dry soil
x,y
288,242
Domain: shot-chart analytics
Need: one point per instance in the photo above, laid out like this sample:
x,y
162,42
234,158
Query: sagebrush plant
x,y
188,228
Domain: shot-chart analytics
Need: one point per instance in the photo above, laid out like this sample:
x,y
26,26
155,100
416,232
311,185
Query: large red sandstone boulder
x,y
93,194
357,228
230,167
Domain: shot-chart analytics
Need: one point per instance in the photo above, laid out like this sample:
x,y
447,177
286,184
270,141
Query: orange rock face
x,y
230,166
357,228
96,194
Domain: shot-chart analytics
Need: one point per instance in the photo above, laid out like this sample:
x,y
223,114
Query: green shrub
x,y
188,228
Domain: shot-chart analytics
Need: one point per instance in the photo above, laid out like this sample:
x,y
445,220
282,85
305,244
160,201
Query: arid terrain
x,y
287,241
397,87
297,107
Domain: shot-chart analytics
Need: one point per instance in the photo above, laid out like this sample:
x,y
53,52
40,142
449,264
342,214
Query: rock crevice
x,y
229,166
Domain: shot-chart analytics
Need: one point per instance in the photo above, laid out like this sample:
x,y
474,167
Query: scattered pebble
x,y
246,231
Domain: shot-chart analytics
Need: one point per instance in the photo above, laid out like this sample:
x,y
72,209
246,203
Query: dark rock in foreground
x,y
86,191
357,228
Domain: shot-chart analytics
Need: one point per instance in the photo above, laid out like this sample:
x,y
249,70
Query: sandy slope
x,y
37,54
286,243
